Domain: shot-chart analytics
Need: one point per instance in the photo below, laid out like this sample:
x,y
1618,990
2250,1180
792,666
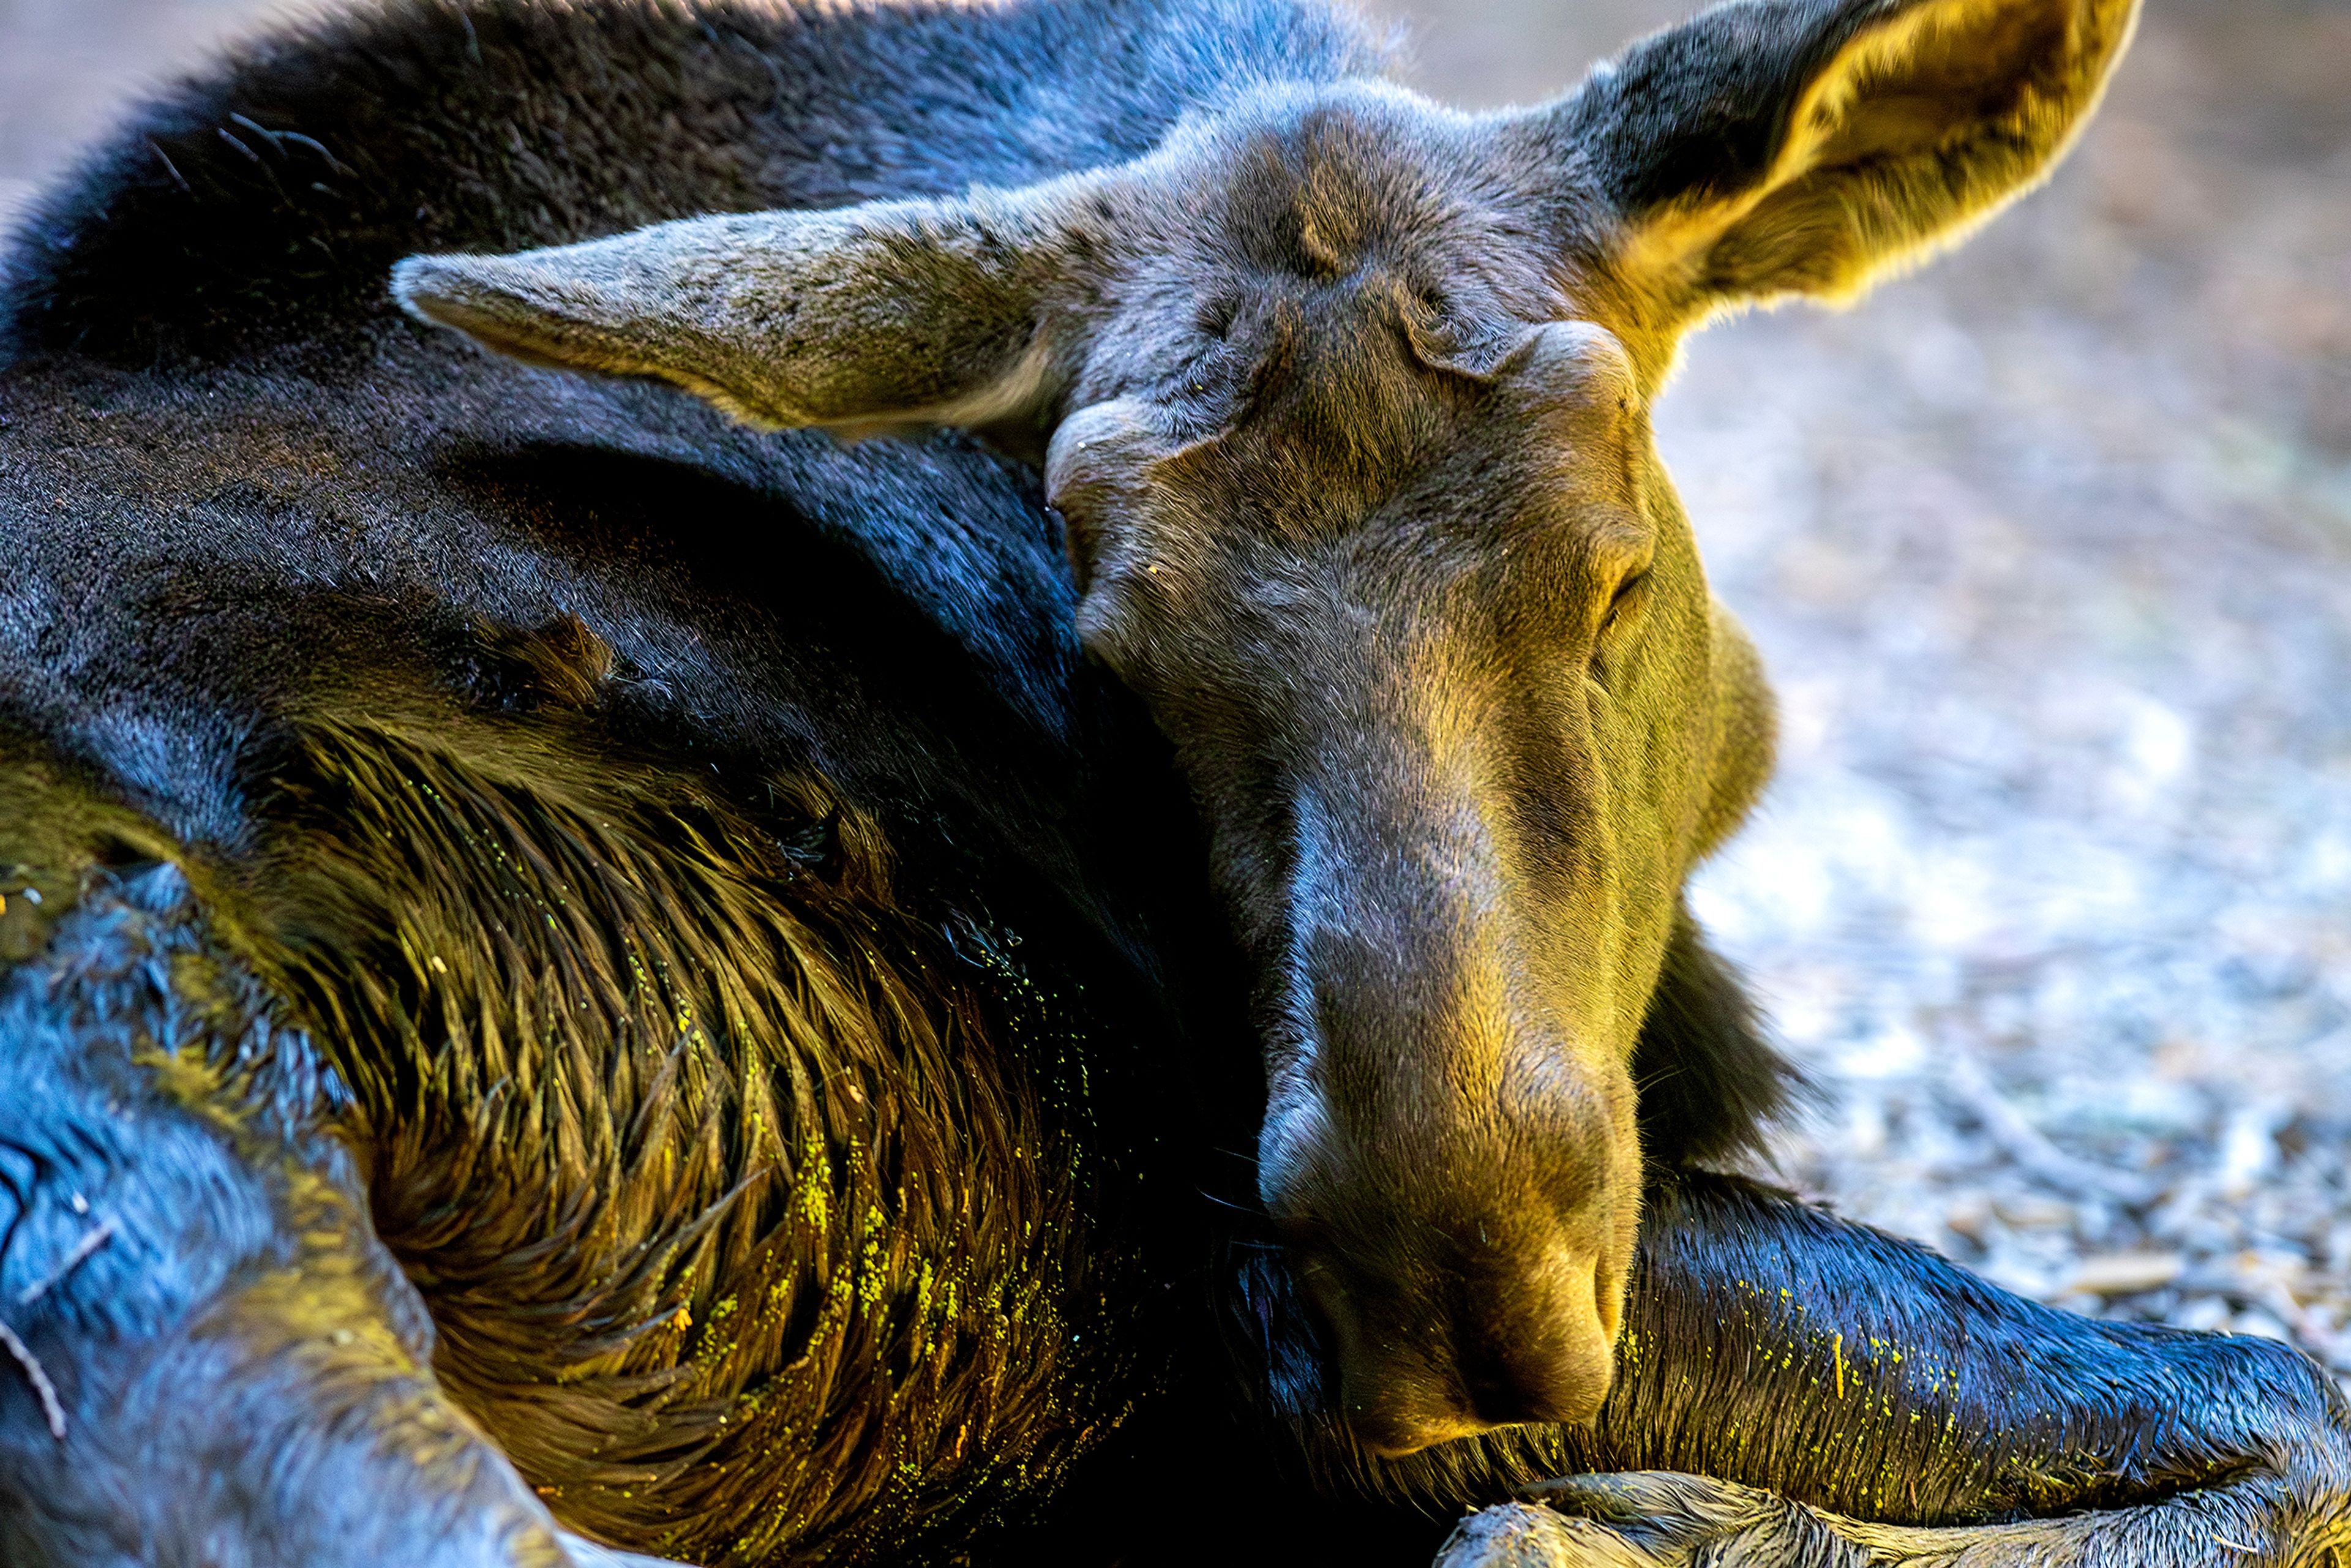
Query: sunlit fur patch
x,y
711,1161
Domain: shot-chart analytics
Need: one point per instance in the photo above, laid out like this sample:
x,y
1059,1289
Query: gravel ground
x,y
2049,549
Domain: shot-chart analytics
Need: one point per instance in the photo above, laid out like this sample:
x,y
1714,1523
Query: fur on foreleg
x,y
1664,1520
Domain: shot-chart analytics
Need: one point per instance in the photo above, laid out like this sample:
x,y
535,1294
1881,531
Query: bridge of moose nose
x,y
1450,1151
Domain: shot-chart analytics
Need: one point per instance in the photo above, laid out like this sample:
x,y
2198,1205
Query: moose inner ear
x,y
887,314
1769,147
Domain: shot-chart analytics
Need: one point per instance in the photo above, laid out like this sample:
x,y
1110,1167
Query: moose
x,y
978,857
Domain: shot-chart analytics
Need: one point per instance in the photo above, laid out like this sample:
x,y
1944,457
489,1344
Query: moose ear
x,y
859,318
1772,147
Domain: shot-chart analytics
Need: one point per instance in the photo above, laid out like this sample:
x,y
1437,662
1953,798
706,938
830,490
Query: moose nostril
x,y
1517,1391
1544,1349
1531,1344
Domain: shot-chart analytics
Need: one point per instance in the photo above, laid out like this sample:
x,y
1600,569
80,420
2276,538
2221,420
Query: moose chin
x,y
980,856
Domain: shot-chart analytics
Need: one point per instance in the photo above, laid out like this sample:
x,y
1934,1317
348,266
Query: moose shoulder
x,y
579,969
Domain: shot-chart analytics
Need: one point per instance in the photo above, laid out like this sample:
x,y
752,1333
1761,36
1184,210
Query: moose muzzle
x,y
1455,1171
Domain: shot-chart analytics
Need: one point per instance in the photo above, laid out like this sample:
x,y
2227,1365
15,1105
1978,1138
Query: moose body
x,y
579,971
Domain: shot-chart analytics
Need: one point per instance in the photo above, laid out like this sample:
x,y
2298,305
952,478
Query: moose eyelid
x,y
1628,592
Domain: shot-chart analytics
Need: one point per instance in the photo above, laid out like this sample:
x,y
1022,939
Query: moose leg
x,y
1787,1376
1662,1519
209,1357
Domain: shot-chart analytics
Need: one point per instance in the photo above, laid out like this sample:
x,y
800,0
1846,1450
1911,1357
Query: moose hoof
x,y
1527,1535
1512,1535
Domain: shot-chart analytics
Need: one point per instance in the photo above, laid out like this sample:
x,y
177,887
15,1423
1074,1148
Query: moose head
x,y
1344,399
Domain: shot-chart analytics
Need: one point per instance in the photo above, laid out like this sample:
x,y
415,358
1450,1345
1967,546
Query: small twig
x,y
73,1260
2027,1145
38,1377
2274,1295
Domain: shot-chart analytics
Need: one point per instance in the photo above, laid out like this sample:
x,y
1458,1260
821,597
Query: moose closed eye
x,y
1625,604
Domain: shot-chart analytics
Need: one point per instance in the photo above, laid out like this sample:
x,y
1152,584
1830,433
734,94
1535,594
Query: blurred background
x,y
2049,548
